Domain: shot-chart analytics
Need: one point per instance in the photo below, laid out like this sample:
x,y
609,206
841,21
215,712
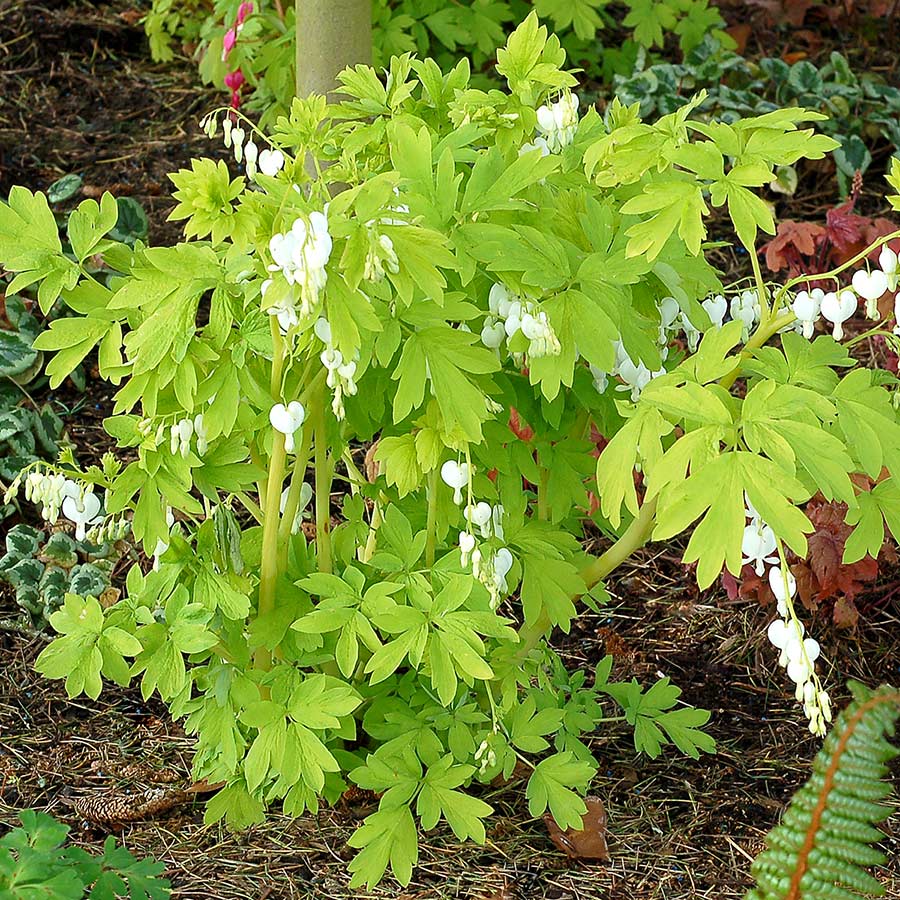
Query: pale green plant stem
x,y
292,503
322,463
366,553
269,565
632,539
765,311
431,488
251,507
762,334
543,502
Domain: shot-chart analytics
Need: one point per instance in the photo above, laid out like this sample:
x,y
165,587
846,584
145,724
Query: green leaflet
x,y
716,492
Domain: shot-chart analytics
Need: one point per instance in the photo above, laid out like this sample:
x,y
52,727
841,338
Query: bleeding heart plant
x,y
438,270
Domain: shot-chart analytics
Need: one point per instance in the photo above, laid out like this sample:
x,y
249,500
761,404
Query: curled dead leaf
x,y
590,841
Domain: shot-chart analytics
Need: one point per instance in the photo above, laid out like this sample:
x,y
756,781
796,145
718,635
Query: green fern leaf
x,y
820,849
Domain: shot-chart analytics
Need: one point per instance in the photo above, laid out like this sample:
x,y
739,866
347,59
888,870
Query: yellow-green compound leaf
x,y
439,797
778,421
874,508
551,786
387,837
639,440
677,206
716,492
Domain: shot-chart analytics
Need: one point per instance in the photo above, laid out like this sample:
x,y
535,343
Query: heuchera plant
x,y
415,265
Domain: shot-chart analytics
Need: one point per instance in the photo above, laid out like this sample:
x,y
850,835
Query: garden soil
x,y
79,95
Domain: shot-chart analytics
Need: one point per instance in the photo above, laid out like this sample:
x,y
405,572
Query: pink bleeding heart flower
x,y
244,10
234,80
228,42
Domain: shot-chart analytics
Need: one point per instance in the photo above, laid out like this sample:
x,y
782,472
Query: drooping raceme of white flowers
x,y
558,122
509,315
268,161
341,376
490,564
55,494
182,431
301,255
798,653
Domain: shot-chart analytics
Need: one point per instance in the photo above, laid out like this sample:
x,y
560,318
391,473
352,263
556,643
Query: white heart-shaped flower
x,y
890,264
778,633
806,307
479,514
503,561
798,671
492,335
271,162
466,542
83,512
837,308
287,419
811,646
456,476
668,311
776,583
870,285
716,308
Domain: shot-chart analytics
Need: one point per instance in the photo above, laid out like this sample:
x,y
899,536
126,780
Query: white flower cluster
x,y
110,530
269,161
180,435
491,566
558,123
55,493
301,255
635,376
798,653
484,755
838,306
341,374
380,256
510,315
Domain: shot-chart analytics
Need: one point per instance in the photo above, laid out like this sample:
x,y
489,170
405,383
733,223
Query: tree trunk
x,y
331,35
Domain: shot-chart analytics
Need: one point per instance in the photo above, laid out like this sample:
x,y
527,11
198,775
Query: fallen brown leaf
x,y
590,841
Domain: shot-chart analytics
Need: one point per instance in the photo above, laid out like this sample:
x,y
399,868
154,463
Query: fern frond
x,y
820,848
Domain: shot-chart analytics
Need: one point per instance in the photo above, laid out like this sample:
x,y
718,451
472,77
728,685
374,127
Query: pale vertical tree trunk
x,y
331,35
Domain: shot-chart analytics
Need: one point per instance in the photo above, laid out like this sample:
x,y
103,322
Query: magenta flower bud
x,y
234,81
228,41
245,10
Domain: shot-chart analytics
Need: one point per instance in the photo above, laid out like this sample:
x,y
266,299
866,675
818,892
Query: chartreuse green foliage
x,y
404,649
820,848
34,863
440,29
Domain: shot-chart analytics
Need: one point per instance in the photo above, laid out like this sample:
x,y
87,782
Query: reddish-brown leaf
x,y
826,550
793,243
844,227
845,614
590,841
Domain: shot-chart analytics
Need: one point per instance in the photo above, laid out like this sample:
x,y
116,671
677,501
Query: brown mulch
x,y
78,94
